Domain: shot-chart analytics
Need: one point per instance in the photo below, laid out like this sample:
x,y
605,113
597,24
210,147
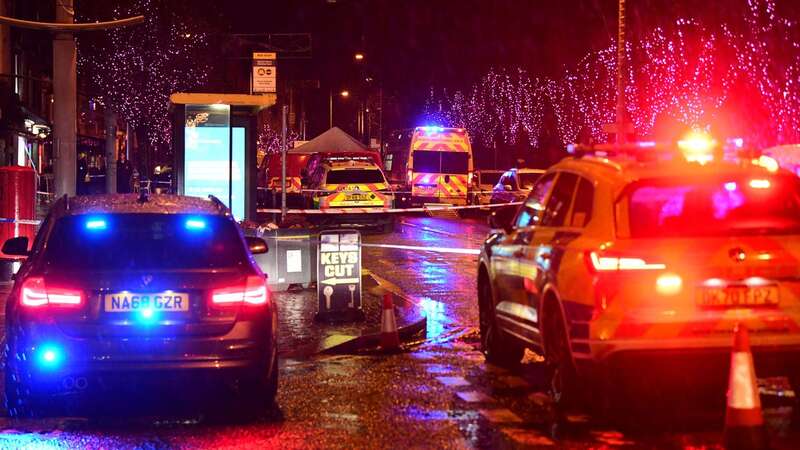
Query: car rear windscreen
x,y
441,162
490,178
144,242
355,176
715,206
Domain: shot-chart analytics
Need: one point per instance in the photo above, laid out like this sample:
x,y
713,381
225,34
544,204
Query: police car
x,y
122,294
350,184
514,185
646,257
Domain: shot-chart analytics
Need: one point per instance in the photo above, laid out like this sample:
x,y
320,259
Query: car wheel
x,y
496,347
561,373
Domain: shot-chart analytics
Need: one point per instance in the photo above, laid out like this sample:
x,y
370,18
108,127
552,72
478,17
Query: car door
x,y
513,309
539,255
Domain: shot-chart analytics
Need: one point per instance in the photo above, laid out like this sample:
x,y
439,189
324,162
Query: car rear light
x,y
252,292
469,179
35,293
607,263
410,175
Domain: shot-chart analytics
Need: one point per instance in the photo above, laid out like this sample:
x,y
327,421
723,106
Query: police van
x,y
435,166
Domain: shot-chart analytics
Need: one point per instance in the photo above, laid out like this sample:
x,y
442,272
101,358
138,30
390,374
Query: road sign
x,y
339,273
265,74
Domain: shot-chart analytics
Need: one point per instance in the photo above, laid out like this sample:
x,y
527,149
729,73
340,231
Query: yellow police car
x,y
639,260
351,187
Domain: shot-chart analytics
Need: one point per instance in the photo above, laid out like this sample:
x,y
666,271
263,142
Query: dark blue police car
x,y
118,291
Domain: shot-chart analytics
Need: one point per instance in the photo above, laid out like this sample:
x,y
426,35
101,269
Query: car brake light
x,y
253,292
410,175
469,179
606,263
36,293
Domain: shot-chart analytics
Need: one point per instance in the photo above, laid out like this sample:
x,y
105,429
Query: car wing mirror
x,y
256,245
508,188
17,246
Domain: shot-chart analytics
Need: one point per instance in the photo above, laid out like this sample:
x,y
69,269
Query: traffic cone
x,y
744,422
390,339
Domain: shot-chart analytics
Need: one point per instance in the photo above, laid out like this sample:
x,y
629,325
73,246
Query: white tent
x,y
333,140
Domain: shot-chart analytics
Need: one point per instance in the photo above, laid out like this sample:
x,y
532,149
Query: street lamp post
x,y
344,94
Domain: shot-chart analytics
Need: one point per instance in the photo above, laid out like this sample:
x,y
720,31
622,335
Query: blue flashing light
x,y
50,356
96,224
195,224
432,129
147,315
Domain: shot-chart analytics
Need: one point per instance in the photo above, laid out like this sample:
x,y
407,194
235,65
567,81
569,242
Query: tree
x,y
134,70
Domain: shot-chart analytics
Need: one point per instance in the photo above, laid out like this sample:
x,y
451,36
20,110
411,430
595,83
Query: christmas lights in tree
x,y
135,69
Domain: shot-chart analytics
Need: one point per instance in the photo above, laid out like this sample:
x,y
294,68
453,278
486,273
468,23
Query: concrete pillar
x,y
65,103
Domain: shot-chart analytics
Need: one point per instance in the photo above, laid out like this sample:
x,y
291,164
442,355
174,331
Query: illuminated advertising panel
x,y
214,156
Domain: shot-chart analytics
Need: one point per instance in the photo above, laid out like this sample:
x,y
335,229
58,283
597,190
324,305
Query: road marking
x,y
500,415
514,381
528,437
474,397
453,381
460,251
611,437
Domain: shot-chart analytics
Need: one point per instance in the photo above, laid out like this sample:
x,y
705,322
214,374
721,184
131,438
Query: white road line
x,y
501,415
474,397
460,251
528,437
453,381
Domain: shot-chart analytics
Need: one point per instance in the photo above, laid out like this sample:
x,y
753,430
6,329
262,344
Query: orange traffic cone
x,y
390,339
744,423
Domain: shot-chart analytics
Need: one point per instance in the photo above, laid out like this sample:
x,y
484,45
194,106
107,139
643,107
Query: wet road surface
x,y
439,394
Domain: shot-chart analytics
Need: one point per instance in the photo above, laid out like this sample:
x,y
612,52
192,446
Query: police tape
x,y
436,249
334,211
20,221
327,191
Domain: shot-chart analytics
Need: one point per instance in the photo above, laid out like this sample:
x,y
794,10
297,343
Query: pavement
x,y
439,393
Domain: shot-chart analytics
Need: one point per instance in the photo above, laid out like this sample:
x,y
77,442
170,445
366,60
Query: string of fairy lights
x,y
741,78
135,69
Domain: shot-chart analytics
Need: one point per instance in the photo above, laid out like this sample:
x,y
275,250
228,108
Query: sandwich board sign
x,y
339,273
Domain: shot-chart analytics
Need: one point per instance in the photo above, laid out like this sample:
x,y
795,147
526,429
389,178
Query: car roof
x,y
342,165
130,204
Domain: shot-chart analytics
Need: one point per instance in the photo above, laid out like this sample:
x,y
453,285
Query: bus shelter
x,y
214,139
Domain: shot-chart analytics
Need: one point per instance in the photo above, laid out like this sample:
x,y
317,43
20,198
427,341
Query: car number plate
x,y
734,296
357,198
164,301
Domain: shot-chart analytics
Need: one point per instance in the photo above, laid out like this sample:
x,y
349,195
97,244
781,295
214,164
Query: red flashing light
x,y
35,294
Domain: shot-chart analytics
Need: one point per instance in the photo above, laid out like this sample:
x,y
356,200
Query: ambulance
x,y
435,167
353,184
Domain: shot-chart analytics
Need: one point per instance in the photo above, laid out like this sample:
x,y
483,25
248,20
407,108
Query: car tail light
x,y
410,175
252,292
607,263
35,293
